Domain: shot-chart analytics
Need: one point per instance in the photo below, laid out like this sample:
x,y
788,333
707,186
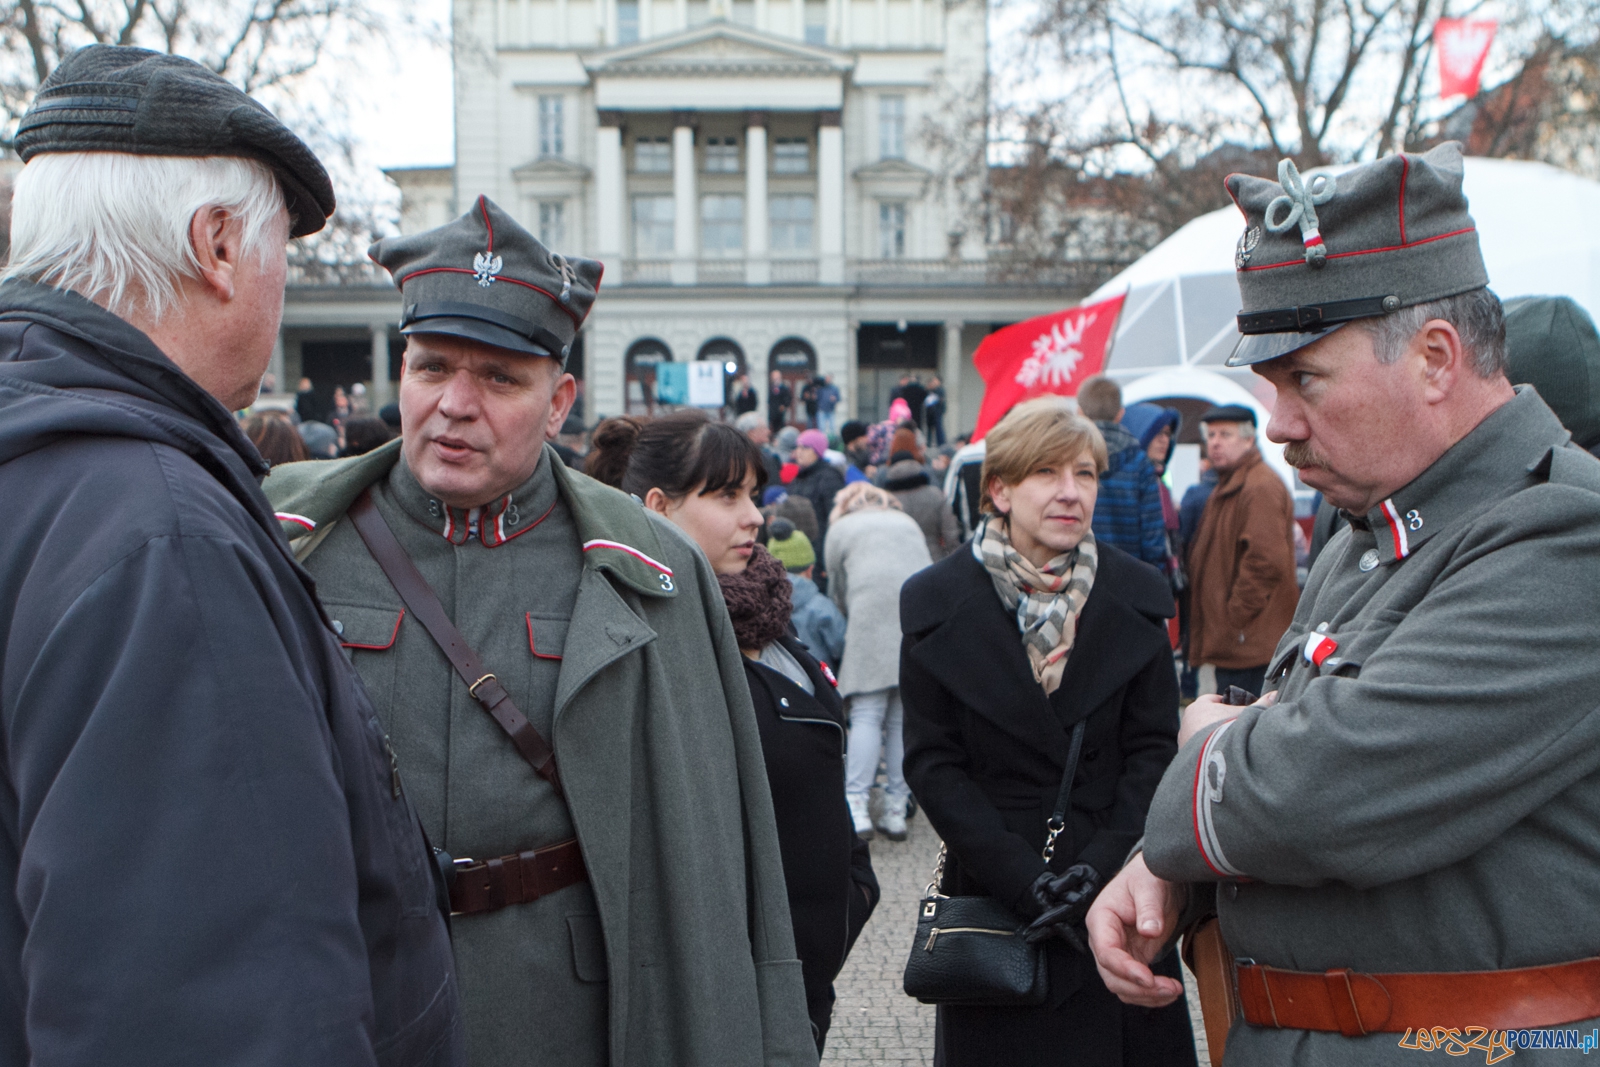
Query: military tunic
x,y
1425,796
508,577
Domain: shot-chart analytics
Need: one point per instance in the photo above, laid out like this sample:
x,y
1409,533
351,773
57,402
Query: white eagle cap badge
x,y
486,266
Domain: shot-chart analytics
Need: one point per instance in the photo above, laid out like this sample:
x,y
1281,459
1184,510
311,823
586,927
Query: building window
x,y
552,224
722,155
627,21
639,370
891,230
892,127
551,134
791,155
816,22
652,226
791,223
722,225
652,155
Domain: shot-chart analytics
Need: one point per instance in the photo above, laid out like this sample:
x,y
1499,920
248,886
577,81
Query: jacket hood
x,y
1117,438
907,474
1144,421
1552,345
804,591
71,368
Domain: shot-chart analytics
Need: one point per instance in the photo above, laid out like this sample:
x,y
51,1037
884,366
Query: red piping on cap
x,y
499,278
483,208
1362,252
1405,176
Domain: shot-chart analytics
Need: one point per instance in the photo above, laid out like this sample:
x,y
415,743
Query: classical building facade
x,y
792,185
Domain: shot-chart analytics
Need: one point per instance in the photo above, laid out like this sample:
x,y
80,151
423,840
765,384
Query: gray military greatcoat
x,y
1425,796
606,627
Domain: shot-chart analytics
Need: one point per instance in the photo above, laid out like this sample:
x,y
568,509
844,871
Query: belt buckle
x,y
472,690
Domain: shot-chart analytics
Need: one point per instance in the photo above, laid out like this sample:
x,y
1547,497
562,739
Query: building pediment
x,y
894,176
549,169
719,49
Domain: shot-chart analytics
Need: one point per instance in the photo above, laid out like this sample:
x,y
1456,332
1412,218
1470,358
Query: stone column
x,y
378,391
686,213
275,367
851,400
611,213
951,362
830,200
757,265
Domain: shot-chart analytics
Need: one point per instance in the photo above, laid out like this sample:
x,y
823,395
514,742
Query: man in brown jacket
x,y
1242,562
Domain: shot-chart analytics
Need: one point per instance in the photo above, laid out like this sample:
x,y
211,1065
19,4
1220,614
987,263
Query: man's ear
x,y
566,392
1443,356
217,240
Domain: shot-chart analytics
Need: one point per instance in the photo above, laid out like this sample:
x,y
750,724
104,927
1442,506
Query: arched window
x,y
730,354
639,384
796,360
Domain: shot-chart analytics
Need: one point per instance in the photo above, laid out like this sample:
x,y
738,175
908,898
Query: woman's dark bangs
x,y
723,458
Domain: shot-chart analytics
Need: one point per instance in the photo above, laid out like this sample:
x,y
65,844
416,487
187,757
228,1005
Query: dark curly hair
x,y
678,453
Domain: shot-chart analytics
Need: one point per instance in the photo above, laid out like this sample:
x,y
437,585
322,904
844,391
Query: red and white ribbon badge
x,y
1318,648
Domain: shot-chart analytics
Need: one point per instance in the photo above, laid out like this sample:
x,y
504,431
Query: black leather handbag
x,y
969,951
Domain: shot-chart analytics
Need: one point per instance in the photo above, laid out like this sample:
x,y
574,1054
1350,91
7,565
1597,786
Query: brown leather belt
x,y
1354,1004
489,885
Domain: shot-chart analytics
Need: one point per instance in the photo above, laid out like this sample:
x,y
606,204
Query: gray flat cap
x,y
485,278
107,98
1319,253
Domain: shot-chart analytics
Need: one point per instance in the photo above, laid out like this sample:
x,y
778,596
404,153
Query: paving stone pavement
x,y
873,1020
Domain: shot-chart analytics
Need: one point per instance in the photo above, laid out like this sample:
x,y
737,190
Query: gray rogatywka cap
x,y
1317,253
485,278
109,98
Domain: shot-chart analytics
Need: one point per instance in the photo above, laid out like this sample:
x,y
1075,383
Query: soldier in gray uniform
x,y
1401,839
587,752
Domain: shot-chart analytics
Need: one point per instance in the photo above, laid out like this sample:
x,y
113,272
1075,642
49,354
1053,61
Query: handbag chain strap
x,y
1058,818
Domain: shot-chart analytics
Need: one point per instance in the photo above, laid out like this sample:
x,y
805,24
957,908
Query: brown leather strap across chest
x,y
484,687
1354,1004
490,885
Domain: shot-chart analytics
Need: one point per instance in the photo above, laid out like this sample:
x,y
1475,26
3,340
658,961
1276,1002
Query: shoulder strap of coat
x,y
484,687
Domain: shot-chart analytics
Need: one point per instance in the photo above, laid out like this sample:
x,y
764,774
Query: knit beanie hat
x,y
789,546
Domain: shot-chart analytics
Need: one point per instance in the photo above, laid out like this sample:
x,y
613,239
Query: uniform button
x,y
1322,627
783,702
1233,890
338,627
1369,560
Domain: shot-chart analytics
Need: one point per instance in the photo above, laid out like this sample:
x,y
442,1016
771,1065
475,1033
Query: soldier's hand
x,y
1212,709
1129,924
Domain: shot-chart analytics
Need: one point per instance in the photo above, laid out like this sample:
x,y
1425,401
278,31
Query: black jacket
x,y
819,483
205,853
825,864
985,748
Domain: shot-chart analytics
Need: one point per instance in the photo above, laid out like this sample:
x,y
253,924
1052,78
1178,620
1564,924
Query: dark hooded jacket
x,y
1551,344
207,854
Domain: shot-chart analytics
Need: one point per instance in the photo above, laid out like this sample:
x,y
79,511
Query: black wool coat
x,y
825,865
986,749
206,857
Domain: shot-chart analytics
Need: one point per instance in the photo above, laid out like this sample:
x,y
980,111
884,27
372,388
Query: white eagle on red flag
x,y
1056,354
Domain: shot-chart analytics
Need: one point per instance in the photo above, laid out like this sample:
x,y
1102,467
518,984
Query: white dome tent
x,y
1177,325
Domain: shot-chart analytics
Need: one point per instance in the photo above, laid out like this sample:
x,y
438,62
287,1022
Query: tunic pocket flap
x,y
365,627
588,947
547,638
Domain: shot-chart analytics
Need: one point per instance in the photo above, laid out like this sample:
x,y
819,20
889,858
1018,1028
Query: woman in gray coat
x,y
873,547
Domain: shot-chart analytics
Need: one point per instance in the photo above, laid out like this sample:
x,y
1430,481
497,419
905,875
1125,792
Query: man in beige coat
x,y
1242,562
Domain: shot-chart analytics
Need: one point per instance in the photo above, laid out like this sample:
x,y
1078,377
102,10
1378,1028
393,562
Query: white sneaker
x,y
893,820
858,815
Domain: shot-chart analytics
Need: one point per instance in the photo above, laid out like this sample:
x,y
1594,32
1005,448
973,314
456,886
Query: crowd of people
x,y
466,734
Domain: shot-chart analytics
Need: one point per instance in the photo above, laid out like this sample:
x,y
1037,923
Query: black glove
x,y
1063,900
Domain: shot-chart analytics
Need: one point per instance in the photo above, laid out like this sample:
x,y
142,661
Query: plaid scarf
x,y
1046,602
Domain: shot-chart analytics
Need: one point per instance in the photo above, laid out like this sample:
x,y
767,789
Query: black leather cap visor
x,y
1260,347
460,319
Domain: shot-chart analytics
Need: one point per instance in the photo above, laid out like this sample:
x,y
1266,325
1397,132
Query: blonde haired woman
x,y
1029,644
872,548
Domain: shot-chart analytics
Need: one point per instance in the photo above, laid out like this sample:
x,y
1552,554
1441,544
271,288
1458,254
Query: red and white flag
x,y
1463,45
1051,354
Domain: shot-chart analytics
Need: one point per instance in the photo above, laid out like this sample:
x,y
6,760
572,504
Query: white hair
x,y
114,227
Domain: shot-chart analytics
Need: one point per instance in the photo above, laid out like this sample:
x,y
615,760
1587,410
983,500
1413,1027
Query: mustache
x,y
1300,455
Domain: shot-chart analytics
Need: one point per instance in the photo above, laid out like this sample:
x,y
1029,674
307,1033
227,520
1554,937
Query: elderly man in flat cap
x,y
558,674
206,852
1400,838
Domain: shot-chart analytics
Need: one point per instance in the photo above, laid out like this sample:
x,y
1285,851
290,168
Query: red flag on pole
x,y
1463,45
1049,354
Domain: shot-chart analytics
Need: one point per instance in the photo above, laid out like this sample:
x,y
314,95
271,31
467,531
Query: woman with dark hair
x,y
1033,657
701,476
276,440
